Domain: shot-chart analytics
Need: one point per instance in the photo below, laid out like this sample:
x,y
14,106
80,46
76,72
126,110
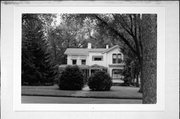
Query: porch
x,y
86,69
90,70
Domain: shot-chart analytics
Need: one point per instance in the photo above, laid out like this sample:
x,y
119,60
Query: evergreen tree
x,y
37,67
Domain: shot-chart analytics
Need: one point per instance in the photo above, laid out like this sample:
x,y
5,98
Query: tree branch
x,y
132,28
140,39
136,36
128,29
116,32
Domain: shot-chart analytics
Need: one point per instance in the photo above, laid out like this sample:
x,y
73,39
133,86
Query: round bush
x,y
100,81
71,79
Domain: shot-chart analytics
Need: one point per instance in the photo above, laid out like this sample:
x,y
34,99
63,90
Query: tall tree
x,y
37,67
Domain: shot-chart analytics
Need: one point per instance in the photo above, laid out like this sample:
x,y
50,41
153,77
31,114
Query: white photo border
x,y
159,106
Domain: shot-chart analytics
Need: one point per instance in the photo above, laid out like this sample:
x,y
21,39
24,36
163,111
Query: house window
x,y
74,61
119,57
83,62
116,58
97,58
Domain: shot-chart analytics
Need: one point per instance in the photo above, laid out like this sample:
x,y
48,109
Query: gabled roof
x,y
76,51
82,51
110,49
85,51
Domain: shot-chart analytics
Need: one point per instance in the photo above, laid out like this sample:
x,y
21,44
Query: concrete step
x,y
117,81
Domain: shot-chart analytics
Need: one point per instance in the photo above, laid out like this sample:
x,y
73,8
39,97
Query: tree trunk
x,y
149,64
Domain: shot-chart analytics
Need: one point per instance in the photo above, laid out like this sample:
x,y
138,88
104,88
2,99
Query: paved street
x,y
43,99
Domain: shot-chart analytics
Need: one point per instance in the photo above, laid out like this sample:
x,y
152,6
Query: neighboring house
x,y
90,60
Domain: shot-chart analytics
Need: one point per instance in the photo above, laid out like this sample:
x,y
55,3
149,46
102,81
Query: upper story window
x,y
116,58
97,58
83,62
119,58
74,61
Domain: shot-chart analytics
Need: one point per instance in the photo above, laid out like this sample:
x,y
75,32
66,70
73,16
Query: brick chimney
x,y
107,46
89,45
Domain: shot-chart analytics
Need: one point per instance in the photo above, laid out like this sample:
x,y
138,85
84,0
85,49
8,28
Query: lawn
x,y
119,92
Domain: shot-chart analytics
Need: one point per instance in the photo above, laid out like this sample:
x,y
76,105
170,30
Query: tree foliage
x,y
37,68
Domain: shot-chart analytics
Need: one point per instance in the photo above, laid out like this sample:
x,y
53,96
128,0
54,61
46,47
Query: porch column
x,y
89,71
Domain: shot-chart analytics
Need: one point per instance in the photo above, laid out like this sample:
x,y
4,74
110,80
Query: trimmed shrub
x,y
100,81
71,79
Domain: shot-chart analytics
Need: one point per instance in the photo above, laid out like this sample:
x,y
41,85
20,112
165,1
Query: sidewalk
x,y
116,92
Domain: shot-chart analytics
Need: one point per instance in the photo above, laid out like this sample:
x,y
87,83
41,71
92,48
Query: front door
x,y
117,75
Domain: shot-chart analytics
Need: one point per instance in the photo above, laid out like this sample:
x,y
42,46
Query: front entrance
x,y
117,75
94,70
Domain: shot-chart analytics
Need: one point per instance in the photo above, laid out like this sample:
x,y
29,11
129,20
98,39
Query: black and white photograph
x,y
89,58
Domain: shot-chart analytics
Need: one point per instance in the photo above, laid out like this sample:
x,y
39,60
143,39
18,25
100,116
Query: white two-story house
x,y
91,59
